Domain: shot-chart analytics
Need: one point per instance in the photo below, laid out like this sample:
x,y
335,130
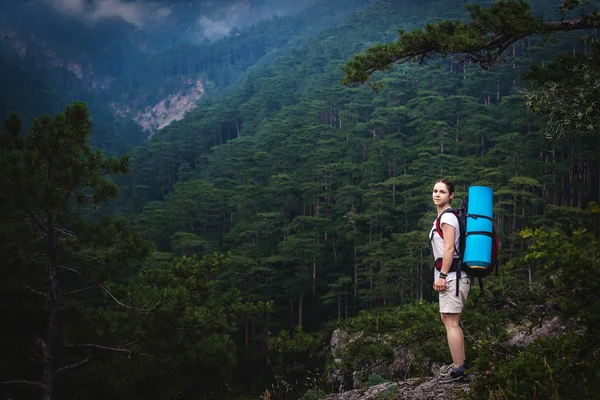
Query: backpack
x,y
458,265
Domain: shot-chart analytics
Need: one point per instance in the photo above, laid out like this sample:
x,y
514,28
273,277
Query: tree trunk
x,y
345,306
498,92
371,288
314,276
354,255
292,312
300,301
514,221
421,276
47,343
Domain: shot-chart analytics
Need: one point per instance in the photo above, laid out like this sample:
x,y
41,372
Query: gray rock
x,y
410,389
523,335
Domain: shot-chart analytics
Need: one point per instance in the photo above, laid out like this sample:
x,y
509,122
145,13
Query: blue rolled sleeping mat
x,y
479,228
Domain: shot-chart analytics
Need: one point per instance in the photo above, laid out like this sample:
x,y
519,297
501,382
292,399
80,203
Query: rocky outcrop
x,y
523,335
429,388
169,109
175,102
398,365
35,48
410,389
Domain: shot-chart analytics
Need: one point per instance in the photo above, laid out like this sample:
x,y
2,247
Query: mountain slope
x,y
136,73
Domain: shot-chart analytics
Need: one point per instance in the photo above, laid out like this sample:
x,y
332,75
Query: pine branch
x,y
32,290
64,231
77,290
42,344
37,221
34,360
97,346
72,366
108,291
42,226
20,252
22,382
483,40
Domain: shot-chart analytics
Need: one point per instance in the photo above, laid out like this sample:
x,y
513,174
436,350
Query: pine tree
x,y
54,261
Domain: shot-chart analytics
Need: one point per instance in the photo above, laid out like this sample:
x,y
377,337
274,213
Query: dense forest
x,y
216,260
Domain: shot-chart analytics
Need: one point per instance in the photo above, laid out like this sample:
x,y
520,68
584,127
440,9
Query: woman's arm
x,y
448,256
448,230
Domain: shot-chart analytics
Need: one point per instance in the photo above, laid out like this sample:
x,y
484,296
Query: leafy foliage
x,y
387,394
375,379
313,395
564,90
564,365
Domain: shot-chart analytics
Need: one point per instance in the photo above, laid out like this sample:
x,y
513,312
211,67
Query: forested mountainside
x,y
293,206
143,66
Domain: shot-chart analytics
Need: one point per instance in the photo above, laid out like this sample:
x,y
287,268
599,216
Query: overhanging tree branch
x,y
482,40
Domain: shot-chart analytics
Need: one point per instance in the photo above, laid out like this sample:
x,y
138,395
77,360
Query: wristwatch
x,y
443,275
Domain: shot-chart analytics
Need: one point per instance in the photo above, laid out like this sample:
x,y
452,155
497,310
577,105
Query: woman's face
x,y
440,195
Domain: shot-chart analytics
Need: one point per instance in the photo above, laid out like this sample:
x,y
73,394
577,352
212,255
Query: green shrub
x,y
548,369
565,267
388,394
313,395
376,335
375,379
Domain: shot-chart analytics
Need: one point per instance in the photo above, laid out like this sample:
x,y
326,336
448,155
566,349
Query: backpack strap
x,y
475,216
457,280
439,231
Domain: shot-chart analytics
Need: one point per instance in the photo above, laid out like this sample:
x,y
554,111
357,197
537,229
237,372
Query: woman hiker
x,y
445,278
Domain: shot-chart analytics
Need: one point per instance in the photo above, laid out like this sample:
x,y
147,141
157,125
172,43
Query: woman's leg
x,y
456,340
451,306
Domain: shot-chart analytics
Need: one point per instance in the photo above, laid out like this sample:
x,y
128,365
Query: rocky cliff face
x,y
171,108
398,365
35,49
151,118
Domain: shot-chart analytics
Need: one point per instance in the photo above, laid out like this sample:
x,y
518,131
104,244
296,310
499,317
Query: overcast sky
x,y
207,18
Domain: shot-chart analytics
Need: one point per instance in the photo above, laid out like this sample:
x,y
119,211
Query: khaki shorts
x,y
450,303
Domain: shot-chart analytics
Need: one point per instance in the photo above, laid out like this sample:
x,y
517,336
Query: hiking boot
x,y
445,370
455,374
